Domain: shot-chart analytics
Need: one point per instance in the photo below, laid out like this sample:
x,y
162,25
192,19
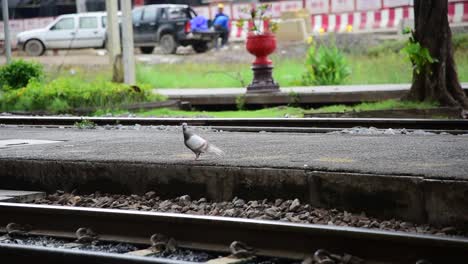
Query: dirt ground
x,y
235,53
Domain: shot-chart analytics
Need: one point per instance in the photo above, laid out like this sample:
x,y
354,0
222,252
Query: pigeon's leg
x,y
197,155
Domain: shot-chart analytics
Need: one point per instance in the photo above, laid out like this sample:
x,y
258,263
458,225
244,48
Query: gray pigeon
x,y
198,144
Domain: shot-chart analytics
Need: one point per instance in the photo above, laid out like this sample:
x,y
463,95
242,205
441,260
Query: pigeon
x,y
198,144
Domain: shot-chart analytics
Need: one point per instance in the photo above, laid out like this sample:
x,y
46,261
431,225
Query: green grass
x,y
383,105
262,113
190,75
389,68
281,111
385,68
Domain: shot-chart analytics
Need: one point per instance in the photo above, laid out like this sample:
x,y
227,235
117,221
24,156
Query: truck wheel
x,y
168,44
200,47
34,47
146,50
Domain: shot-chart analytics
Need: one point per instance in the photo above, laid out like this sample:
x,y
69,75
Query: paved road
x,y
433,156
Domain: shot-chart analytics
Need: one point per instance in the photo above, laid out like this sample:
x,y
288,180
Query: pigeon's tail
x,y
213,149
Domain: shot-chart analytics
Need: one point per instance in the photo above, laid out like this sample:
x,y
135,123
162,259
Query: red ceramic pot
x,y
261,46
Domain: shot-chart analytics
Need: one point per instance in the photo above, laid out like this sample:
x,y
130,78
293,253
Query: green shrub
x,y
67,93
419,56
18,73
325,66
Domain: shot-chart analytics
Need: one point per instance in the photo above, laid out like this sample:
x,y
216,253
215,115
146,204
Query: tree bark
x,y
438,81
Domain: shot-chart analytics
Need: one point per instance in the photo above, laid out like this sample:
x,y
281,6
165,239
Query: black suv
x,y
169,26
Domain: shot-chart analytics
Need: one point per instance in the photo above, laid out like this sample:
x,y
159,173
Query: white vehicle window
x,y
88,22
177,13
137,15
149,14
64,24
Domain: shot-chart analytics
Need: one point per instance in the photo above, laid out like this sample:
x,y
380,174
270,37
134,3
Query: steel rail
x,y
315,129
271,238
434,124
13,253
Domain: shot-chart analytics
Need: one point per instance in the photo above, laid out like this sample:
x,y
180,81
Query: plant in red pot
x,y
261,42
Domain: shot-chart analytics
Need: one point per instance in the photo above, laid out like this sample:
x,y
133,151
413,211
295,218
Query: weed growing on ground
x,y
85,124
240,102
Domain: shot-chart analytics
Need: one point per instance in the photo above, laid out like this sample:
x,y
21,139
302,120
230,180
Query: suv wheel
x,y
200,47
146,50
168,44
34,47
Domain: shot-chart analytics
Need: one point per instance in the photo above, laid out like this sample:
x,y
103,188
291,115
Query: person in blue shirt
x,y
221,24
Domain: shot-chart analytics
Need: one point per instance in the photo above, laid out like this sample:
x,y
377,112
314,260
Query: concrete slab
x,y
6,143
403,176
143,252
431,156
6,199
229,260
22,196
305,95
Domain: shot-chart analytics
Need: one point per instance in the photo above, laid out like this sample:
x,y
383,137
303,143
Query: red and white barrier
x,y
359,15
383,19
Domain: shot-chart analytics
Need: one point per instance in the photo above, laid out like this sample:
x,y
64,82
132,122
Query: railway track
x,y
304,125
269,238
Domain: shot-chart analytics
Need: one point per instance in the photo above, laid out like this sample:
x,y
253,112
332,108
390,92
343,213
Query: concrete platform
x,y
20,196
332,94
419,178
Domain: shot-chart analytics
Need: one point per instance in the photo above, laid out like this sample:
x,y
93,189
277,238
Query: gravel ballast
x,y
279,209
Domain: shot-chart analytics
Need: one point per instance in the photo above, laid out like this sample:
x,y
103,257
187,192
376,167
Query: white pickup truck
x,y
72,31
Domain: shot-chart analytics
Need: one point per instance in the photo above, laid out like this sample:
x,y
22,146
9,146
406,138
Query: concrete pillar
x,y
127,42
113,40
6,28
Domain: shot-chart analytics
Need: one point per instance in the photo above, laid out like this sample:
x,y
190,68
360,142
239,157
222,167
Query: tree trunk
x,y
438,81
